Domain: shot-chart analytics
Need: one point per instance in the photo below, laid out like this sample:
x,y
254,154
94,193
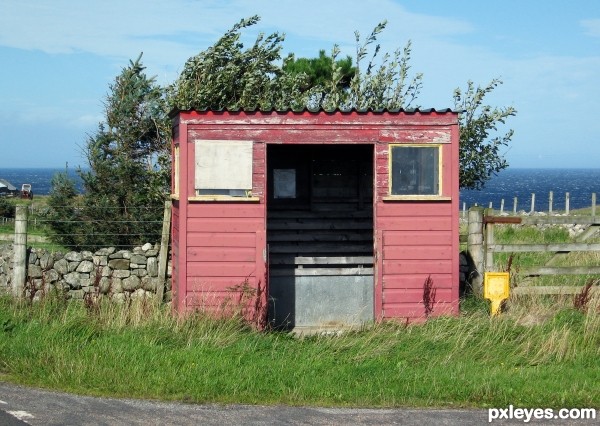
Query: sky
x,y
59,57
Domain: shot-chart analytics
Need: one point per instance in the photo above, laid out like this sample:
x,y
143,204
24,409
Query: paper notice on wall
x,y
284,183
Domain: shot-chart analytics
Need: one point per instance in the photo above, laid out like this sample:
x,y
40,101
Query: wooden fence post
x,y
567,203
550,201
475,246
488,240
163,255
593,204
20,251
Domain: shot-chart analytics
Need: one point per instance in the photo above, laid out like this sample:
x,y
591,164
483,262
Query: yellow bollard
x,y
496,289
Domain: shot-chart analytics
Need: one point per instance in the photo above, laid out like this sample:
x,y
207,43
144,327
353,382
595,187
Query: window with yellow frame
x,y
415,170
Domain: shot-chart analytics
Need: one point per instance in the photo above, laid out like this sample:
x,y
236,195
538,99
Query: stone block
x,y
152,266
138,259
85,266
104,285
117,285
34,271
73,279
121,273
61,266
119,264
74,256
131,283
50,275
46,261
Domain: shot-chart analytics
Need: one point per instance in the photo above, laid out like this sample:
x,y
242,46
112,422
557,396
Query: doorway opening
x,y
320,235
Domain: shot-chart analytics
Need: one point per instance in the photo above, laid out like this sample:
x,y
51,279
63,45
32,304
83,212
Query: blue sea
x,y
510,183
521,183
40,179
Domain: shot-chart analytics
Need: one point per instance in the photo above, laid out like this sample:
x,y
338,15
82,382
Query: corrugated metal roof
x,y
417,110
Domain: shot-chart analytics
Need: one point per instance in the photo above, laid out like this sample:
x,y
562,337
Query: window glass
x,y
415,170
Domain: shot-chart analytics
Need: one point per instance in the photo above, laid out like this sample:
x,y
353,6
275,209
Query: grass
x,y
541,352
142,351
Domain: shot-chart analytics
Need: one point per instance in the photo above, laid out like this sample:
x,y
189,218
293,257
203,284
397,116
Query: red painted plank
x,y
221,239
305,135
401,267
414,223
417,310
225,225
415,208
221,269
225,210
221,254
416,281
403,310
417,253
445,295
217,284
420,136
416,238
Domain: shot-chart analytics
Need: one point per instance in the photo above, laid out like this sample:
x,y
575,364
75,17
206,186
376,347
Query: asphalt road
x,y
21,405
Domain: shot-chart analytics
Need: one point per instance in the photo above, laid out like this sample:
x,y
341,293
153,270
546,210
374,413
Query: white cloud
x,y
592,27
170,32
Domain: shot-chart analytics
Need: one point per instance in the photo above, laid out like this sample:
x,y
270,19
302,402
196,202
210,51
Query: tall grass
x,y
530,356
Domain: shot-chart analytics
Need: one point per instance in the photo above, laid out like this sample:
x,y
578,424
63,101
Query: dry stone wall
x,y
119,274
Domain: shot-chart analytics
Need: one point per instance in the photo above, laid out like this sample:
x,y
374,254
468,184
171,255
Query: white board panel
x,y
223,164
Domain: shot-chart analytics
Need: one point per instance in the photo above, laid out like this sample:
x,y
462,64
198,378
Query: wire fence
x,y
76,227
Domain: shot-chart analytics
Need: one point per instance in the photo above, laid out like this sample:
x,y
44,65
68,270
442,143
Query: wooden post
x,y
20,251
567,203
515,205
593,204
488,241
550,201
502,206
163,255
464,209
532,203
475,247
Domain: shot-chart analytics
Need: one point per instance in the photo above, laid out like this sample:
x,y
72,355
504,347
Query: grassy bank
x,y
541,352
531,356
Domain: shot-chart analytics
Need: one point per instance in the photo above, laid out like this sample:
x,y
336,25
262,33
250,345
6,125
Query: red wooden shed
x,y
328,218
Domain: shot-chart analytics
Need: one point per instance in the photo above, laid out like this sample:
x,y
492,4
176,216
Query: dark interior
x,y
320,206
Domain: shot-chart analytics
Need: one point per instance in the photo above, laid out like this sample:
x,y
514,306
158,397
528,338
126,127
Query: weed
x,y
250,305
581,300
428,296
92,299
